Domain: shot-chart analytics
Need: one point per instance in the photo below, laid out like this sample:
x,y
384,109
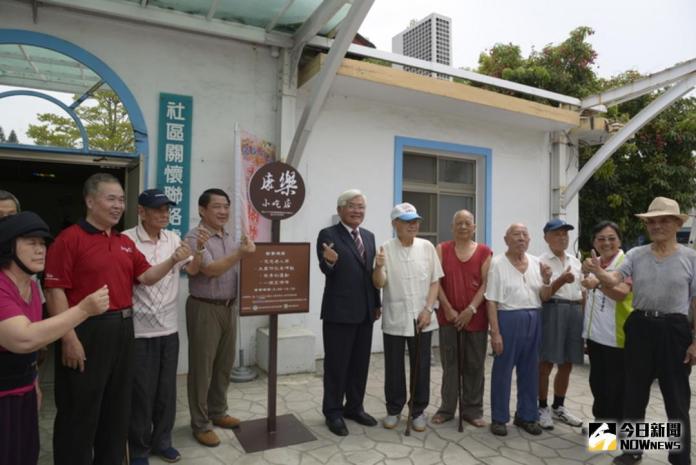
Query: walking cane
x,y
414,378
460,377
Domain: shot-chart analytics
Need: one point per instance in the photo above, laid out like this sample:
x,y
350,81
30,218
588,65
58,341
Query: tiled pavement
x,y
301,394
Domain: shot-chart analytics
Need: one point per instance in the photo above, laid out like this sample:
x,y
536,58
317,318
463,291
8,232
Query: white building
x,y
429,39
395,135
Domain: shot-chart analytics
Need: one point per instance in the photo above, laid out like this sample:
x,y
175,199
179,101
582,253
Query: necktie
x,y
358,243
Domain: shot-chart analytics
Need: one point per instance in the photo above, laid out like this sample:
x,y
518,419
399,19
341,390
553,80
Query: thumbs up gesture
x,y
567,276
546,272
592,264
380,258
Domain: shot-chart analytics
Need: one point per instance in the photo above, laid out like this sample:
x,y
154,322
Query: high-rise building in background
x,y
429,39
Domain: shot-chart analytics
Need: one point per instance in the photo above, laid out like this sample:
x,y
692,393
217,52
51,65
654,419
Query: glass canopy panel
x,y
194,7
258,13
39,68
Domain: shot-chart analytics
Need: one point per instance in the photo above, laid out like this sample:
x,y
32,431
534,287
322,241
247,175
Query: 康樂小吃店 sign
x,y
276,190
275,279
174,156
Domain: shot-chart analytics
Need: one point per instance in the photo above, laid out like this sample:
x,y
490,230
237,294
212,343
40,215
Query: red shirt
x,y
460,283
12,305
83,258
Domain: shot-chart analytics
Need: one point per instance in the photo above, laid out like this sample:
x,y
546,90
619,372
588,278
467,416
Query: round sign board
x,y
276,190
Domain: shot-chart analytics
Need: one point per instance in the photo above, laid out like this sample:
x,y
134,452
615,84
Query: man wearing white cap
x,y
408,270
660,336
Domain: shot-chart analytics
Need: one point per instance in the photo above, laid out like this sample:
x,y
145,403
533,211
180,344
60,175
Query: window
x,y
438,186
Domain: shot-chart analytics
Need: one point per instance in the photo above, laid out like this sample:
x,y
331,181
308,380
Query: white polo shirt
x,y
410,272
569,291
155,311
512,289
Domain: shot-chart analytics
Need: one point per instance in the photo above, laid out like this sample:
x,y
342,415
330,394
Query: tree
x,y
106,122
659,160
12,138
2,135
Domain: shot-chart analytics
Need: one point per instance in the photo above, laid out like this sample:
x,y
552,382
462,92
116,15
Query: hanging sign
x,y
276,190
174,156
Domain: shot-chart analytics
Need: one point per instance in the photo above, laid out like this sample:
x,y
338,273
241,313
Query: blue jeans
x,y
521,332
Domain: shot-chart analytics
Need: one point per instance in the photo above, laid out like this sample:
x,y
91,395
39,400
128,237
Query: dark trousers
x,y
153,406
93,407
474,354
346,363
19,430
607,379
521,332
655,348
395,373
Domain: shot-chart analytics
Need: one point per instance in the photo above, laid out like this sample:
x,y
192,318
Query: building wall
x,y
352,144
230,82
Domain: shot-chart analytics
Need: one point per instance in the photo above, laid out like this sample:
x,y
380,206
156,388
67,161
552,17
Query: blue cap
x,y
154,198
405,212
556,224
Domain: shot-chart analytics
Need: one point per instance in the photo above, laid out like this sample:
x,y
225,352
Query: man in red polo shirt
x,y
94,363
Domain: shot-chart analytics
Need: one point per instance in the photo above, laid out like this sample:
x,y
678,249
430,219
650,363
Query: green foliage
x,y
565,68
106,122
12,138
2,135
659,160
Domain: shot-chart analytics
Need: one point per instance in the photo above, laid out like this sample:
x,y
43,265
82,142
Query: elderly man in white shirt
x,y
408,270
517,282
155,316
561,325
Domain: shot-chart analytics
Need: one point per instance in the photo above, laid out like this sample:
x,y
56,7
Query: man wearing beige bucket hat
x,y
660,337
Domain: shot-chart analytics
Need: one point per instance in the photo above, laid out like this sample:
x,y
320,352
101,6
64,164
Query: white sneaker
x,y
545,420
562,413
418,423
391,421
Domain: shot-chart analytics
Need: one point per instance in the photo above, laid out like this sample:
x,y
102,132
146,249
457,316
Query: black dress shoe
x,y
337,426
362,418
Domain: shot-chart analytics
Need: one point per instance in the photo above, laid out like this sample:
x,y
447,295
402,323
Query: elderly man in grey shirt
x,y
660,339
210,317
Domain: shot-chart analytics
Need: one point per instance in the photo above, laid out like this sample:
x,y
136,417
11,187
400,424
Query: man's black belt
x,y
222,302
17,370
656,313
556,300
122,313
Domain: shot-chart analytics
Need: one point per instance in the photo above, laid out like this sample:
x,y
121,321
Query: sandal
x,y
477,422
440,418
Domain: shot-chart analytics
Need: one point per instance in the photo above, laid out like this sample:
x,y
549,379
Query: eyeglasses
x,y
358,207
606,238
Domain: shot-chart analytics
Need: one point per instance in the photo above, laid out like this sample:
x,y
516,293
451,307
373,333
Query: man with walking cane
x,y
408,270
463,322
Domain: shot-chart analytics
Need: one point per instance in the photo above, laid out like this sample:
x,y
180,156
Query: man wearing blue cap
x,y
155,316
562,319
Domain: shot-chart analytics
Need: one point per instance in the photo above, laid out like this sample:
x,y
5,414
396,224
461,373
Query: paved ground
x,y
442,444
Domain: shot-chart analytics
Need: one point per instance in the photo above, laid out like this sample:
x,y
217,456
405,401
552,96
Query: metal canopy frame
x,y
320,90
683,83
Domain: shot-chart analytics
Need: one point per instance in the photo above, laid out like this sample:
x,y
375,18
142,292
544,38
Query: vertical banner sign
x,y
174,156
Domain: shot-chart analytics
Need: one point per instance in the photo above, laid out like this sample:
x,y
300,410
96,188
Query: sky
x,y
643,35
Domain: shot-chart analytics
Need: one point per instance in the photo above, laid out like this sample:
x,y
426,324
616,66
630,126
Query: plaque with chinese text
x,y
277,191
174,156
275,279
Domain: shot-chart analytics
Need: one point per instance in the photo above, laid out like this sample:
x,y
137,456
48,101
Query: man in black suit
x,y
350,306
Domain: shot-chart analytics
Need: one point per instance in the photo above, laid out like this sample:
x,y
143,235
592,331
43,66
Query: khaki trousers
x,y
212,333
474,363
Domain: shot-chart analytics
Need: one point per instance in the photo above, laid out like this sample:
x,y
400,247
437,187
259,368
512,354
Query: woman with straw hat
x,y
660,337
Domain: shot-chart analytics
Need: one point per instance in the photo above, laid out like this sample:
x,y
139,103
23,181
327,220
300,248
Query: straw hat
x,y
662,206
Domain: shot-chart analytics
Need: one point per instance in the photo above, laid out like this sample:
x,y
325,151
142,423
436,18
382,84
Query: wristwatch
x,y
429,309
473,309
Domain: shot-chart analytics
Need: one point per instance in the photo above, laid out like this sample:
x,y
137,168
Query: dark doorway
x,y
52,190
